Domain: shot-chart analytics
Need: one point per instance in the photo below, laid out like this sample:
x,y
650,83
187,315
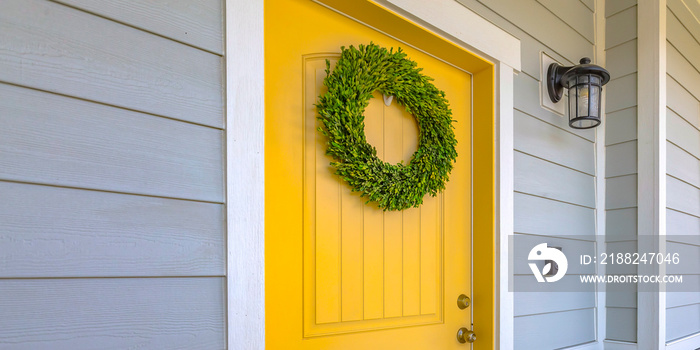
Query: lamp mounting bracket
x,y
554,86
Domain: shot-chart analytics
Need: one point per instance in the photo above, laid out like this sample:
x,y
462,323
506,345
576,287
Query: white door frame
x,y
245,153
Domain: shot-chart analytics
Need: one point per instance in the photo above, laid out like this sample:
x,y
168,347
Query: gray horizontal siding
x,y
684,294
682,134
51,139
574,13
621,192
621,27
621,323
621,160
624,90
111,174
683,167
559,296
621,311
687,13
545,179
682,40
621,295
546,141
621,126
682,196
681,102
200,26
554,164
689,253
619,60
621,225
61,232
531,16
590,4
683,227
682,71
542,216
547,331
107,62
682,321
112,314
614,7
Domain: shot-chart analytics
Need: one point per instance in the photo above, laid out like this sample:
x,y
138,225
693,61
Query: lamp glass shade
x,y
584,101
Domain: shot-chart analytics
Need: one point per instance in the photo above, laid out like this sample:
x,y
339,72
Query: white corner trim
x,y
466,28
651,164
600,154
245,165
504,204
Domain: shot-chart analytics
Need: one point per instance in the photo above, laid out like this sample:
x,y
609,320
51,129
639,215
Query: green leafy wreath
x,y
357,74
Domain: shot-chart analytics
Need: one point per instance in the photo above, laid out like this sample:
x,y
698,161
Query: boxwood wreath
x,y
357,74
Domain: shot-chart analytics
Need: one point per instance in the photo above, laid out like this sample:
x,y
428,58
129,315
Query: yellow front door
x,y
342,274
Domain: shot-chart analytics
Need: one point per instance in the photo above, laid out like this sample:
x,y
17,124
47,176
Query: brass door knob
x,y
465,336
463,301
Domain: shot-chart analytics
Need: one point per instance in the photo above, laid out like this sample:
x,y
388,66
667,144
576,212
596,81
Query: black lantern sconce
x,y
585,83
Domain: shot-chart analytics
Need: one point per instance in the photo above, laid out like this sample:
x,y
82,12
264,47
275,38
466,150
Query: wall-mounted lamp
x,y
585,83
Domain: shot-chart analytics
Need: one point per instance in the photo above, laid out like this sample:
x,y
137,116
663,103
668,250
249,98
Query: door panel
x,y
342,274
355,251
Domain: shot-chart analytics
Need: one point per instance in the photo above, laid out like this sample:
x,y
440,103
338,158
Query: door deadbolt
x,y
463,301
465,336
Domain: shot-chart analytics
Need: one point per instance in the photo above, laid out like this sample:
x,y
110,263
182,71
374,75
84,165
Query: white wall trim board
x,y
600,179
504,207
461,25
617,345
245,156
245,173
691,342
651,186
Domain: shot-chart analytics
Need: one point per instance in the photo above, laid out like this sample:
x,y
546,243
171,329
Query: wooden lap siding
x,y
554,165
621,160
683,161
111,175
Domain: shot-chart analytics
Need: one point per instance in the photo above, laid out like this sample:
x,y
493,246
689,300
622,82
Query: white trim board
x,y
651,163
245,173
504,205
600,154
245,156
